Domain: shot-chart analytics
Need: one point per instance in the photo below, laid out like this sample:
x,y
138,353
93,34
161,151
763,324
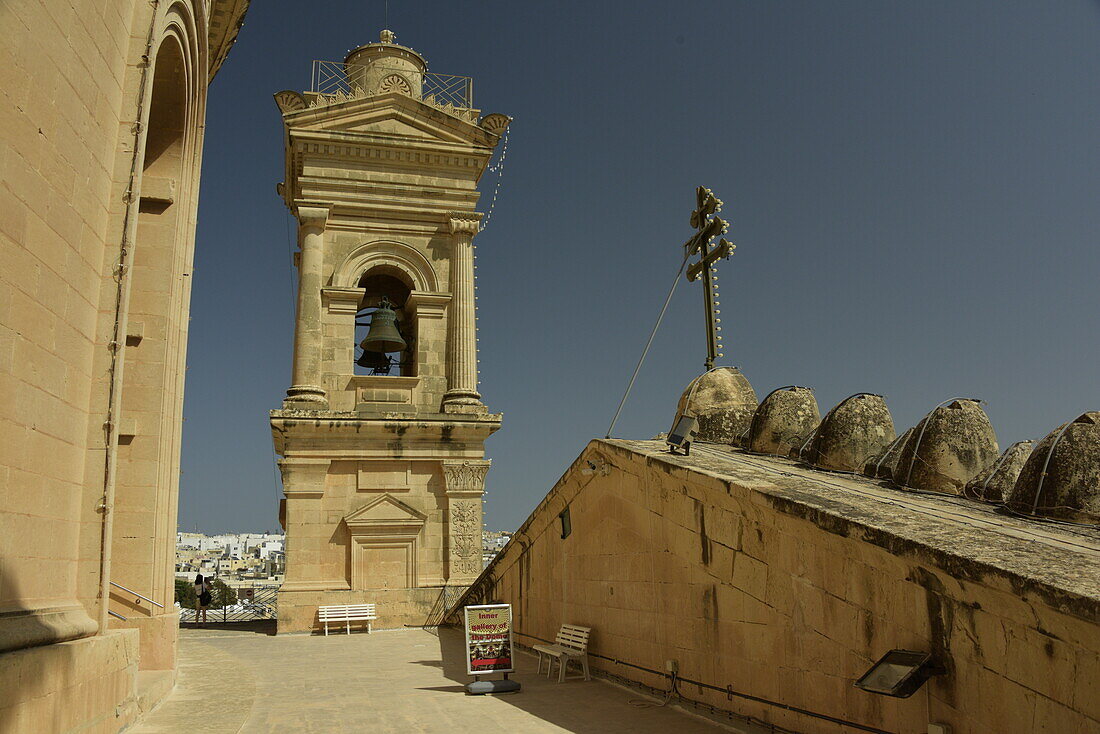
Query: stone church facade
x,y
383,469
102,109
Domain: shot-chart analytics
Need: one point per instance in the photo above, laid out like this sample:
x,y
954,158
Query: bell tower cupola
x,y
386,66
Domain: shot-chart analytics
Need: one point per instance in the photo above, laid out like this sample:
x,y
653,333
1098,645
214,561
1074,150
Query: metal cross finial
x,y
708,226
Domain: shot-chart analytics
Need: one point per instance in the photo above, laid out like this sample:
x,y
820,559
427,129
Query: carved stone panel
x,y
465,539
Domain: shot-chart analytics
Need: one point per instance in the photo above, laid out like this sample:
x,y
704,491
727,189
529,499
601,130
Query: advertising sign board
x,y
489,639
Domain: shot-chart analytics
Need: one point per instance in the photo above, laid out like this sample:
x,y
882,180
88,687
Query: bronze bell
x,y
383,336
376,362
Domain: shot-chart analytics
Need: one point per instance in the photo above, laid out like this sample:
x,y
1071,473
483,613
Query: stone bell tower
x,y
383,448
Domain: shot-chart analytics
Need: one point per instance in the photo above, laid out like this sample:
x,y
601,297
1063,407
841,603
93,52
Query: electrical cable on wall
x,y
498,169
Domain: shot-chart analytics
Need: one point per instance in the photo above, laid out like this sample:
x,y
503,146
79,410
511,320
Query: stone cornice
x,y
226,19
382,151
345,432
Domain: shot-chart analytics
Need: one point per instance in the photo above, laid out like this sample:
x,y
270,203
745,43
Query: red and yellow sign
x,y
489,639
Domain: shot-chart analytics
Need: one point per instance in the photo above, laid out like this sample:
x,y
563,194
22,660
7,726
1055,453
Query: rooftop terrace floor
x,y
234,680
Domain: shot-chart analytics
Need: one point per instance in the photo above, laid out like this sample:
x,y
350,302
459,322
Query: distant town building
x,y
231,557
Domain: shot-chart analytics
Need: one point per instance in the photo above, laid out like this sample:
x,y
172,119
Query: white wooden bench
x,y
347,613
571,644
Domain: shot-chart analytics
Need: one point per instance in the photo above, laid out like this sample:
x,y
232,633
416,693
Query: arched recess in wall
x,y
391,269
396,255
156,317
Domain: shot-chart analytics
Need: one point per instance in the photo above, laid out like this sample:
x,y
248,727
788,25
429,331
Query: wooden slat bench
x,y
347,613
571,644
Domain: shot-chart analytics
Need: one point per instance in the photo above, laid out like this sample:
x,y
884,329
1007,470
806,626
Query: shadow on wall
x,y
18,631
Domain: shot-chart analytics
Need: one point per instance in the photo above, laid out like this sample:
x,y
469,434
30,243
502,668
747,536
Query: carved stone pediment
x,y
392,113
385,515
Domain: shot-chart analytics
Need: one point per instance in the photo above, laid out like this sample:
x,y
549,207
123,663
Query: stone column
x,y
306,386
462,395
465,484
304,488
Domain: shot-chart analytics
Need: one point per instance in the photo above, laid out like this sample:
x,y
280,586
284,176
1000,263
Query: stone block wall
x,y
790,603
62,75
87,685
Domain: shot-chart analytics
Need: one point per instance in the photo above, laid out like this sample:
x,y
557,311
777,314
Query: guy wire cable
x,y
645,351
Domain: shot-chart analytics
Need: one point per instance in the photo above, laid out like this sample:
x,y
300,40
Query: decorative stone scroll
x,y
495,123
290,101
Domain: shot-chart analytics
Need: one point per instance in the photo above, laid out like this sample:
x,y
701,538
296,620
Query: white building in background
x,y
230,555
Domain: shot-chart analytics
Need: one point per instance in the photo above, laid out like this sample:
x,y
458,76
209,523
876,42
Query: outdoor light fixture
x,y
682,433
899,673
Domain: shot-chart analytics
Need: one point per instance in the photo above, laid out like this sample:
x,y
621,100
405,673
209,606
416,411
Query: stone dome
x,y
995,483
783,421
851,434
723,401
882,465
947,448
1061,478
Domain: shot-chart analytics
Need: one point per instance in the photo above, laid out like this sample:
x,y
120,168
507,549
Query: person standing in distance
x,y
202,591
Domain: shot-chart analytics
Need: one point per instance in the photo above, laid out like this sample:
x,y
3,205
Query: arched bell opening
x,y
385,333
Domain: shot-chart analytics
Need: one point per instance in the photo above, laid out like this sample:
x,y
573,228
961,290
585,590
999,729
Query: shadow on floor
x,y
258,626
578,706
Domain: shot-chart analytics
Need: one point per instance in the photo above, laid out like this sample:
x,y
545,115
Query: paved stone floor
x,y
389,681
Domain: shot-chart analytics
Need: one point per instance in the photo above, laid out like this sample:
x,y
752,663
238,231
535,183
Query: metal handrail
x,y
331,77
116,614
131,591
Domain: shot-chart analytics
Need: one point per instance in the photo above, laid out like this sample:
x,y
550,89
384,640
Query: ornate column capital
x,y
465,223
466,476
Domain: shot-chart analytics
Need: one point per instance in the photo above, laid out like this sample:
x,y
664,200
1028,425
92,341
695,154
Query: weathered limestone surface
x,y
783,421
82,685
722,401
883,465
786,583
995,483
383,474
947,448
854,432
101,121
1067,462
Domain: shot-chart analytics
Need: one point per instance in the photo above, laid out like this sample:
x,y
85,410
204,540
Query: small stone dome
x,y
783,421
995,483
882,465
1061,478
723,401
853,432
947,448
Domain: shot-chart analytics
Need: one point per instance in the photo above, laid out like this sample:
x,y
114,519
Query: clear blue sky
x,y
914,189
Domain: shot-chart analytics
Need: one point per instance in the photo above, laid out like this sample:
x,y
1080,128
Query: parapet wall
x,y
396,608
776,586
